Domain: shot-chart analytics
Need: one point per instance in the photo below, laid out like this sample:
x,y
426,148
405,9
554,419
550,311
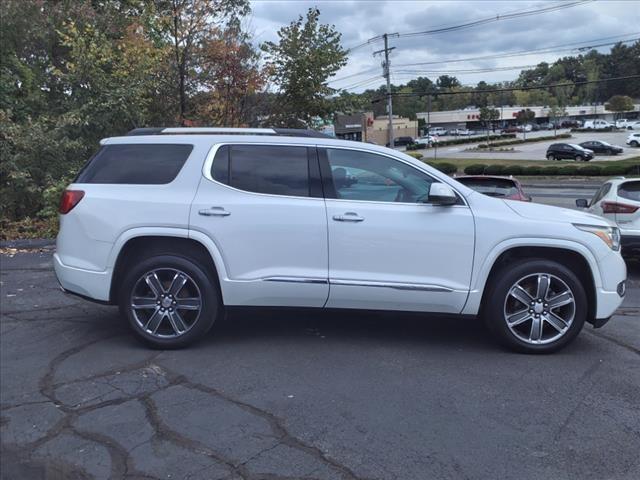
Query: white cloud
x,y
359,21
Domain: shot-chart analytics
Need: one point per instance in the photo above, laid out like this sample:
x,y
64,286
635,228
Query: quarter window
x,y
140,164
366,176
630,191
601,193
276,170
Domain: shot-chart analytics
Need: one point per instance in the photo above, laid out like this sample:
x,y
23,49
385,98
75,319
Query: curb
x,y
28,243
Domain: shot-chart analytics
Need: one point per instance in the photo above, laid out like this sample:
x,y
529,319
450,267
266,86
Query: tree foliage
x,y
307,54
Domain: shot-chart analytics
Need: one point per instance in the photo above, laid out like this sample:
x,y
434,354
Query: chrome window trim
x,y
208,163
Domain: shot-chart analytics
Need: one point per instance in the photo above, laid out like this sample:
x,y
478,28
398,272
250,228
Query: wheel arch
x,y
144,244
575,257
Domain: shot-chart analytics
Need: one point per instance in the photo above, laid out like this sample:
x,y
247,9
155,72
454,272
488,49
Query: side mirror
x,y
441,194
582,203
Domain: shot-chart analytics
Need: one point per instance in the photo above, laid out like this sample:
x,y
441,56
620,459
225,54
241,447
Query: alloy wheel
x,y
539,308
166,302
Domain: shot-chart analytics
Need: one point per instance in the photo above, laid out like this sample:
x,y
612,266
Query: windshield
x,y
576,146
494,187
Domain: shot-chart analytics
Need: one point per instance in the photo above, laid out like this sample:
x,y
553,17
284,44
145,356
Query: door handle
x,y
214,212
348,217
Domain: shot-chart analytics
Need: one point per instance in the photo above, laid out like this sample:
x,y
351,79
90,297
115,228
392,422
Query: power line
x,y
496,18
549,49
509,89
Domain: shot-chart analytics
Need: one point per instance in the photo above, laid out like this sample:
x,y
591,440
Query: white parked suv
x,y
173,225
633,140
618,199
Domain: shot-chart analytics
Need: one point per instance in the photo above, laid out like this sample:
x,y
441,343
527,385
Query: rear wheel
x,y
634,143
169,301
535,306
579,158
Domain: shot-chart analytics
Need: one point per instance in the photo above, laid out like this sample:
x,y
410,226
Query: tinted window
x,y
142,164
367,176
494,187
630,190
276,170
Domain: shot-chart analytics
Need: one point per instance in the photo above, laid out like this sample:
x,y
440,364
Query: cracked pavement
x,y
279,395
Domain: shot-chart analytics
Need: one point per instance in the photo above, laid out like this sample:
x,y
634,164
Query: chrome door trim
x,y
320,281
395,285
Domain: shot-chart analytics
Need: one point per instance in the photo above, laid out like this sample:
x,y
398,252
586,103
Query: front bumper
x,y
86,283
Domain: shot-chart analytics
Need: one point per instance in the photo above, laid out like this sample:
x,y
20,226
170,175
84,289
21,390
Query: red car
x,y
503,187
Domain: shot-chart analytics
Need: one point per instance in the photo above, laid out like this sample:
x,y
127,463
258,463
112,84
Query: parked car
x,y
460,132
618,199
624,123
598,124
494,186
510,129
571,124
634,126
633,139
524,128
568,151
402,141
427,140
175,225
438,131
599,146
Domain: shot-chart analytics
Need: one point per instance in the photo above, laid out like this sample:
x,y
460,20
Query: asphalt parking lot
x,y
294,395
535,150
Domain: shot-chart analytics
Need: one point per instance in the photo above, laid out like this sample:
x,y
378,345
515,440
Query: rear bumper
x,y
86,283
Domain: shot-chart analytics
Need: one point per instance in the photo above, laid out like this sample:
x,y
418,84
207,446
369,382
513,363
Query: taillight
x,y
70,198
615,207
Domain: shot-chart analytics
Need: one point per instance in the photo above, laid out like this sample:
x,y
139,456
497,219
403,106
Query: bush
x,y
613,170
416,146
513,170
475,169
633,170
447,168
590,171
551,170
532,170
495,170
483,145
417,155
568,170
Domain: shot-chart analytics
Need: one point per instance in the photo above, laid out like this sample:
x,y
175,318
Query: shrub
x,y
483,145
513,170
590,171
550,170
495,170
568,170
417,155
532,170
475,169
447,168
610,170
633,170
416,146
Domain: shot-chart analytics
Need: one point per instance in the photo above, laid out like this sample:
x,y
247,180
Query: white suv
x,y
174,225
633,139
618,199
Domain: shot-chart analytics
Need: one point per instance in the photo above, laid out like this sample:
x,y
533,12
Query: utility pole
x,y
386,73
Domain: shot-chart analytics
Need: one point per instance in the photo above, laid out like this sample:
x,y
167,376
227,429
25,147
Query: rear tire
x,y
579,158
169,301
634,144
517,293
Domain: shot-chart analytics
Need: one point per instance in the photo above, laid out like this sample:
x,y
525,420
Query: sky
x,y
590,23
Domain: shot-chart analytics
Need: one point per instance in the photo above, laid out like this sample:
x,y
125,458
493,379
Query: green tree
x,y
619,104
556,112
488,115
306,55
524,117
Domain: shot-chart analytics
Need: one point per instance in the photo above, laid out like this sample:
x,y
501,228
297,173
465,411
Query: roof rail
x,y
282,132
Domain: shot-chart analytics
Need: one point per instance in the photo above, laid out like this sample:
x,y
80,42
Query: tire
x,y
579,158
499,304
551,157
634,144
190,305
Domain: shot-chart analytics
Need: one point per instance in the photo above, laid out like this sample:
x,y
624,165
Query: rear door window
x,y
140,164
630,191
271,169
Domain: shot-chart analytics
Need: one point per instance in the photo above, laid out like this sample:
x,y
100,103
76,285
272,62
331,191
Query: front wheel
x,y
579,158
169,301
535,306
551,157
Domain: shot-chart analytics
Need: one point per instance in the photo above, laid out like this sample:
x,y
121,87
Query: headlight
x,y
609,235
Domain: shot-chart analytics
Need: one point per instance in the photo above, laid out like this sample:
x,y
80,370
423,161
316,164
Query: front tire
x,y
579,158
551,157
169,301
535,306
